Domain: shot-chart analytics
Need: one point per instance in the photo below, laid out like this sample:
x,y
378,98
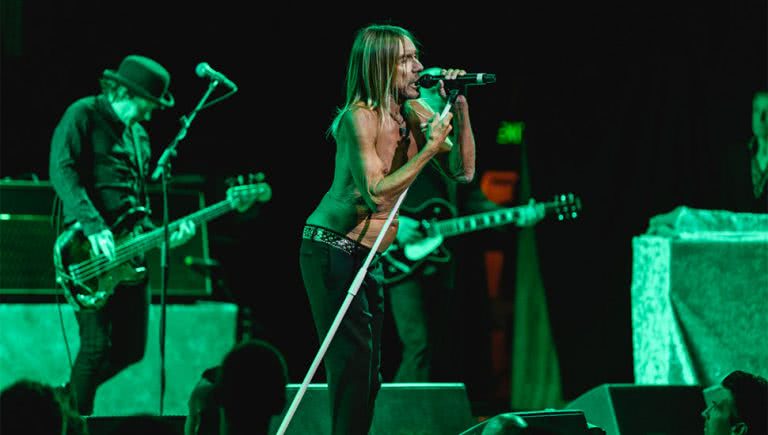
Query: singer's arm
x,y
380,182
459,162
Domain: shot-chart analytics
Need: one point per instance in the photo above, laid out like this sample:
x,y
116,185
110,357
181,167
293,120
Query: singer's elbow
x,y
464,177
467,177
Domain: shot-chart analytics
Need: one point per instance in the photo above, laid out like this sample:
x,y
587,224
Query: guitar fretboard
x,y
480,221
155,238
240,198
452,227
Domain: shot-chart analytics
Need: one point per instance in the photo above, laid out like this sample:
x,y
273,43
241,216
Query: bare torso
x,y
343,208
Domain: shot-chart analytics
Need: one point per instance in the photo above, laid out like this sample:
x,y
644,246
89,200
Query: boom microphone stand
x,y
163,172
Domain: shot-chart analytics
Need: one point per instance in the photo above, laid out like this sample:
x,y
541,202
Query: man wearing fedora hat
x,y
99,160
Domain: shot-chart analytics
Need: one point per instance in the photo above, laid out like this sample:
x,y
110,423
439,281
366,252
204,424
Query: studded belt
x,y
336,240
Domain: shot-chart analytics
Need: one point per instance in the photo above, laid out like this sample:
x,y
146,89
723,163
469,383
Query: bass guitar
x,y
89,280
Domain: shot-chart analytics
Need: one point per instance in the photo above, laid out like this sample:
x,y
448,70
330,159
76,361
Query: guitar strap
x,y
142,194
451,189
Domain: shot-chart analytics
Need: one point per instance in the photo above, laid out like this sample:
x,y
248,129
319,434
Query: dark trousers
x,y
425,314
409,312
353,358
111,338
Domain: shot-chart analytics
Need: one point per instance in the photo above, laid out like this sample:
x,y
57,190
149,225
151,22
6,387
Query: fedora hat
x,y
144,77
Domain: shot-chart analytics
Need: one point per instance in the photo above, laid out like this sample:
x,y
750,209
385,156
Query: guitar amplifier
x,y
27,235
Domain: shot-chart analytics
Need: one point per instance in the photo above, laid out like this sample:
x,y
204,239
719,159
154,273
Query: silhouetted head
x,y
738,405
251,384
31,407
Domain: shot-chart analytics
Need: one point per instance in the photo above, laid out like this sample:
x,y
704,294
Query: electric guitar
x,y
437,221
89,280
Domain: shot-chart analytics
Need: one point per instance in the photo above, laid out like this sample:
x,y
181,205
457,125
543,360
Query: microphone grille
x,y
427,81
201,68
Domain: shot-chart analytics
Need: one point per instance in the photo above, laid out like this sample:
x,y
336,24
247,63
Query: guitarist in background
x,y
99,161
426,305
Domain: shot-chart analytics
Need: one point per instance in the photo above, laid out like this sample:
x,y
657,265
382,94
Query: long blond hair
x,y
372,67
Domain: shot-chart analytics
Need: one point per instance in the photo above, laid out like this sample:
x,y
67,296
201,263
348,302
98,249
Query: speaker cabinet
x,y
183,281
628,409
27,236
401,409
545,422
26,249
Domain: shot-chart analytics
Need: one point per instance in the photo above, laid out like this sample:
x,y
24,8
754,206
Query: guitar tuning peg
x,y
229,181
240,179
256,178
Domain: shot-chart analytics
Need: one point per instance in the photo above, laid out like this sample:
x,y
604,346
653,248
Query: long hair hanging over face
x,y
372,67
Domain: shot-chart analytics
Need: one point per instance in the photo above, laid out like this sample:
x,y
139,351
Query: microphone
x,y
205,71
468,79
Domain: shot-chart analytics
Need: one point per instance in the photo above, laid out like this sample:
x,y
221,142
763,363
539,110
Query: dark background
x,y
627,105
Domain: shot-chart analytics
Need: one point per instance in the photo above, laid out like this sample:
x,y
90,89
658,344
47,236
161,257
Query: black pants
x,y
426,315
409,312
111,338
353,358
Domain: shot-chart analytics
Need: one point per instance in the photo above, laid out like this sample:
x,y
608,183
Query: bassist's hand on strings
x,y
182,235
103,243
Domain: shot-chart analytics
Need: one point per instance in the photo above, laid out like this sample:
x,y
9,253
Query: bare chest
x,y
394,147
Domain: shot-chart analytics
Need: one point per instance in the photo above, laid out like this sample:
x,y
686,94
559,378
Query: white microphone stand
x,y
351,293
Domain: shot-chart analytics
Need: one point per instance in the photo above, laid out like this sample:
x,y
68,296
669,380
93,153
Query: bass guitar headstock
x,y
244,191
